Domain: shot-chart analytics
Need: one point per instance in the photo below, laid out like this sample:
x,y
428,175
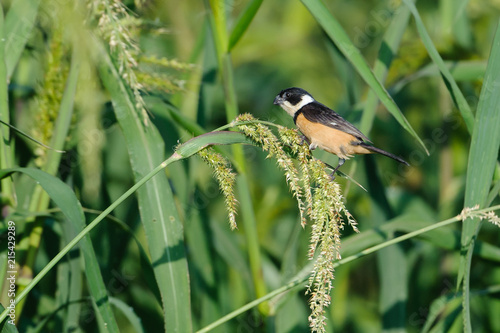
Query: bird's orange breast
x,y
330,139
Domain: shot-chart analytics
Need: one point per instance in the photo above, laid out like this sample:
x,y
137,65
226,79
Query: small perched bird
x,y
325,128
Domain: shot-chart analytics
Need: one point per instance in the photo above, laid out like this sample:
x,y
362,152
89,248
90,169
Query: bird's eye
x,y
286,95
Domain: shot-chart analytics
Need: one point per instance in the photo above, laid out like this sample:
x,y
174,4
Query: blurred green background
x,y
186,90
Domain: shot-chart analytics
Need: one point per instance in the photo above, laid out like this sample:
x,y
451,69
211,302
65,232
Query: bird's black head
x,y
293,99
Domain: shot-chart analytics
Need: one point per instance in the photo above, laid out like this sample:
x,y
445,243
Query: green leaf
x,y
159,215
160,106
129,313
243,22
192,146
19,22
146,266
65,199
438,308
6,150
455,92
455,22
5,325
481,165
440,304
466,70
29,137
389,48
337,34
69,283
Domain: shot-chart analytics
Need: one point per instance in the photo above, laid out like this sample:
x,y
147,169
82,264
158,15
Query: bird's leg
x,y
341,162
303,139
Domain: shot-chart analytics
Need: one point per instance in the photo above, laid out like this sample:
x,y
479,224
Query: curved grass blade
x,y
441,303
18,131
337,34
481,165
5,325
129,313
40,326
65,199
466,70
346,176
388,50
146,266
192,146
456,93
6,150
438,307
243,22
70,283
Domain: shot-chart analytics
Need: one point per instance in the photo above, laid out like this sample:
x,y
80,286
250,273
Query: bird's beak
x,y
278,100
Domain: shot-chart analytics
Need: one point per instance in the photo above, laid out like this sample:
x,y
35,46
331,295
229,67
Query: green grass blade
x,y
162,107
455,92
466,70
146,266
227,247
390,44
203,264
481,165
335,31
65,199
192,146
65,113
129,313
455,22
439,305
5,326
69,284
391,262
493,193
159,214
6,152
19,22
29,137
243,22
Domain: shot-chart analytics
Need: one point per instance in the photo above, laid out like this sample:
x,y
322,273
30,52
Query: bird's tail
x,y
382,152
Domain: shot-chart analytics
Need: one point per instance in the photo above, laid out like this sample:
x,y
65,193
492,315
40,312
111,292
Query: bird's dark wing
x,y
319,113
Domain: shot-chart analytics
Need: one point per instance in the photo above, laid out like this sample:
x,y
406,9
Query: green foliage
x,y
125,93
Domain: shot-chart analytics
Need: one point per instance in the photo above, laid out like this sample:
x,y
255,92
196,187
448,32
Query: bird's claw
x,y
303,139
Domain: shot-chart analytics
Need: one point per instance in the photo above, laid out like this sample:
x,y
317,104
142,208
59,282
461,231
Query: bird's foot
x,y
303,139
341,162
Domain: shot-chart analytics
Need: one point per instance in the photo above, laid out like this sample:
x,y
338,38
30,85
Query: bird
x,y
326,129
